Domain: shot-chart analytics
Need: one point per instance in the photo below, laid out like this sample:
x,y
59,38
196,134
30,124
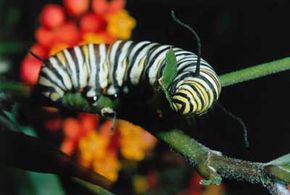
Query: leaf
x,y
45,184
170,70
93,188
27,182
169,74
283,161
279,168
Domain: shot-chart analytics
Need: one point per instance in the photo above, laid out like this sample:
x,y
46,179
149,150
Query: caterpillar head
x,y
195,95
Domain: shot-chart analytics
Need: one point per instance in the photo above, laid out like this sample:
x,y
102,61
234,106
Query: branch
x,y
255,72
214,166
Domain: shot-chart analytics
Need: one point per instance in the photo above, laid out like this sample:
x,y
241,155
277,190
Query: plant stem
x,y
254,72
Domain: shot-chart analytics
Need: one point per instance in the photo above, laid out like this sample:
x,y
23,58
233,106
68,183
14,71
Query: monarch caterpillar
x,y
98,70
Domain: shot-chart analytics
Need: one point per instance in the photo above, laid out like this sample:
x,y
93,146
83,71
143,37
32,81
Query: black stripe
x,y
74,58
215,95
185,95
51,80
63,68
198,94
181,110
132,61
97,56
152,60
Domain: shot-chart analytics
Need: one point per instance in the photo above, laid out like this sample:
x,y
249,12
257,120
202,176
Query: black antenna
x,y
197,70
37,56
239,120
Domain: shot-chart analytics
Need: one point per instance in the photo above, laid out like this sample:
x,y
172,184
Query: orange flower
x,y
74,129
108,167
120,24
132,142
99,149
97,38
57,47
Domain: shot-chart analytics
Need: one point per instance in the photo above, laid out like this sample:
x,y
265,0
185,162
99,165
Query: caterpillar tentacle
x,y
100,69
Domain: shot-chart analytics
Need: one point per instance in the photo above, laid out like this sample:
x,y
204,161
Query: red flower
x,y
52,16
44,36
30,69
105,6
76,7
92,23
68,33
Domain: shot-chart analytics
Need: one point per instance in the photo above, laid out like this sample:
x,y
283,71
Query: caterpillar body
x,y
100,69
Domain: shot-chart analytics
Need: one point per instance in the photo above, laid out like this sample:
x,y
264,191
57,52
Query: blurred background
x,y
234,35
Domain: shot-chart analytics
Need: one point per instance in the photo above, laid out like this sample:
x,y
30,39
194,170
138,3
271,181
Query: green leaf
x,y
28,182
169,74
279,169
91,187
281,161
45,184
170,70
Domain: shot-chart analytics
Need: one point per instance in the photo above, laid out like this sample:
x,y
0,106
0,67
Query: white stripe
x,y
112,57
153,70
122,63
48,73
83,74
104,67
139,64
64,74
93,66
45,82
211,80
72,67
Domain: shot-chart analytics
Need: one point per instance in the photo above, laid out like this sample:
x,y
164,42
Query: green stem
x,y
185,145
254,72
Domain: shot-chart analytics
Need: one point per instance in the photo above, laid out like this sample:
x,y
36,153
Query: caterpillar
x,y
108,70
98,70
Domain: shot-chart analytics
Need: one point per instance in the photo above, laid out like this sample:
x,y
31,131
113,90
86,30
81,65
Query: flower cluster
x,y
76,22
100,148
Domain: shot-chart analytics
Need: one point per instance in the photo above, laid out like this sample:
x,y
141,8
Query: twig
x,y
255,72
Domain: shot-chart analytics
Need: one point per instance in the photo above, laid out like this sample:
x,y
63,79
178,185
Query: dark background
x,y
234,35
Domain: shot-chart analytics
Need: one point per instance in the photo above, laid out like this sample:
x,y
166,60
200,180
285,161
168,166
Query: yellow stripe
x,y
202,92
60,56
85,49
195,100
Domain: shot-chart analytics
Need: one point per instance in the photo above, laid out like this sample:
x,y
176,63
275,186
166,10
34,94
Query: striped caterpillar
x,y
108,70
100,70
